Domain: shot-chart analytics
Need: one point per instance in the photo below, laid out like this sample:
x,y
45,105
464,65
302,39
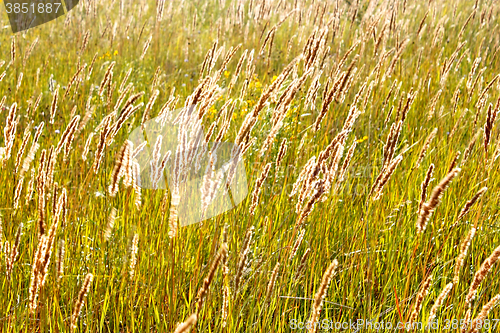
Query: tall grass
x,y
353,120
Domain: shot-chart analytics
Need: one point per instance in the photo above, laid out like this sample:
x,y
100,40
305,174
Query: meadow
x,y
367,131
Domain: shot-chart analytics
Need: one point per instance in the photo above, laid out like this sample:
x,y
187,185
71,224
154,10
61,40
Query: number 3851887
x,y
40,8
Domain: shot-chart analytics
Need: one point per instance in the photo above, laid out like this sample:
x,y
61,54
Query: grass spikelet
x,y
186,326
110,224
133,256
26,137
434,200
490,119
107,78
87,146
319,188
481,274
242,260
425,185
453,163
149,106
302,265
281,152
469,148
60,260
272,282
481,317
467,321
202,293
121,167
146,47
321,294
82,295
17,192
297,243
258,185
425,147
53,107
463,253
417,306
439,301
14,251
471,203
384,177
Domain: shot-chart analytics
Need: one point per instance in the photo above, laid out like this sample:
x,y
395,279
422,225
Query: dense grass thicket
x,y
370,143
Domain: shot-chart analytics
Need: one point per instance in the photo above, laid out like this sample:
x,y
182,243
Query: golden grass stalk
x,y
481,274
471,203
488,126
53,107
146,47
31,185
121,167
391,142
467,320
36,272
258,185
14,251
29,51
439,301
9,131
242,260
17,192
101,145
345,165
149,106
156,77
425,185
68,136
469,148
453,163
478,322
85,41
384,177
87,146
186,326
424,290
29,157
160,7
133,255
226,292
463,253
319,189
434,200
1,234
281,152
136,183
173,216
202,293
41,200
425,147
91,67
272,282
51,163
298,241
110,224
121,90
60,260
73,80
302,265
320,295
108,75
13,50
82,295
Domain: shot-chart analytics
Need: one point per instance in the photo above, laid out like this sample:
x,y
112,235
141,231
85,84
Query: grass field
x,y
369,140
